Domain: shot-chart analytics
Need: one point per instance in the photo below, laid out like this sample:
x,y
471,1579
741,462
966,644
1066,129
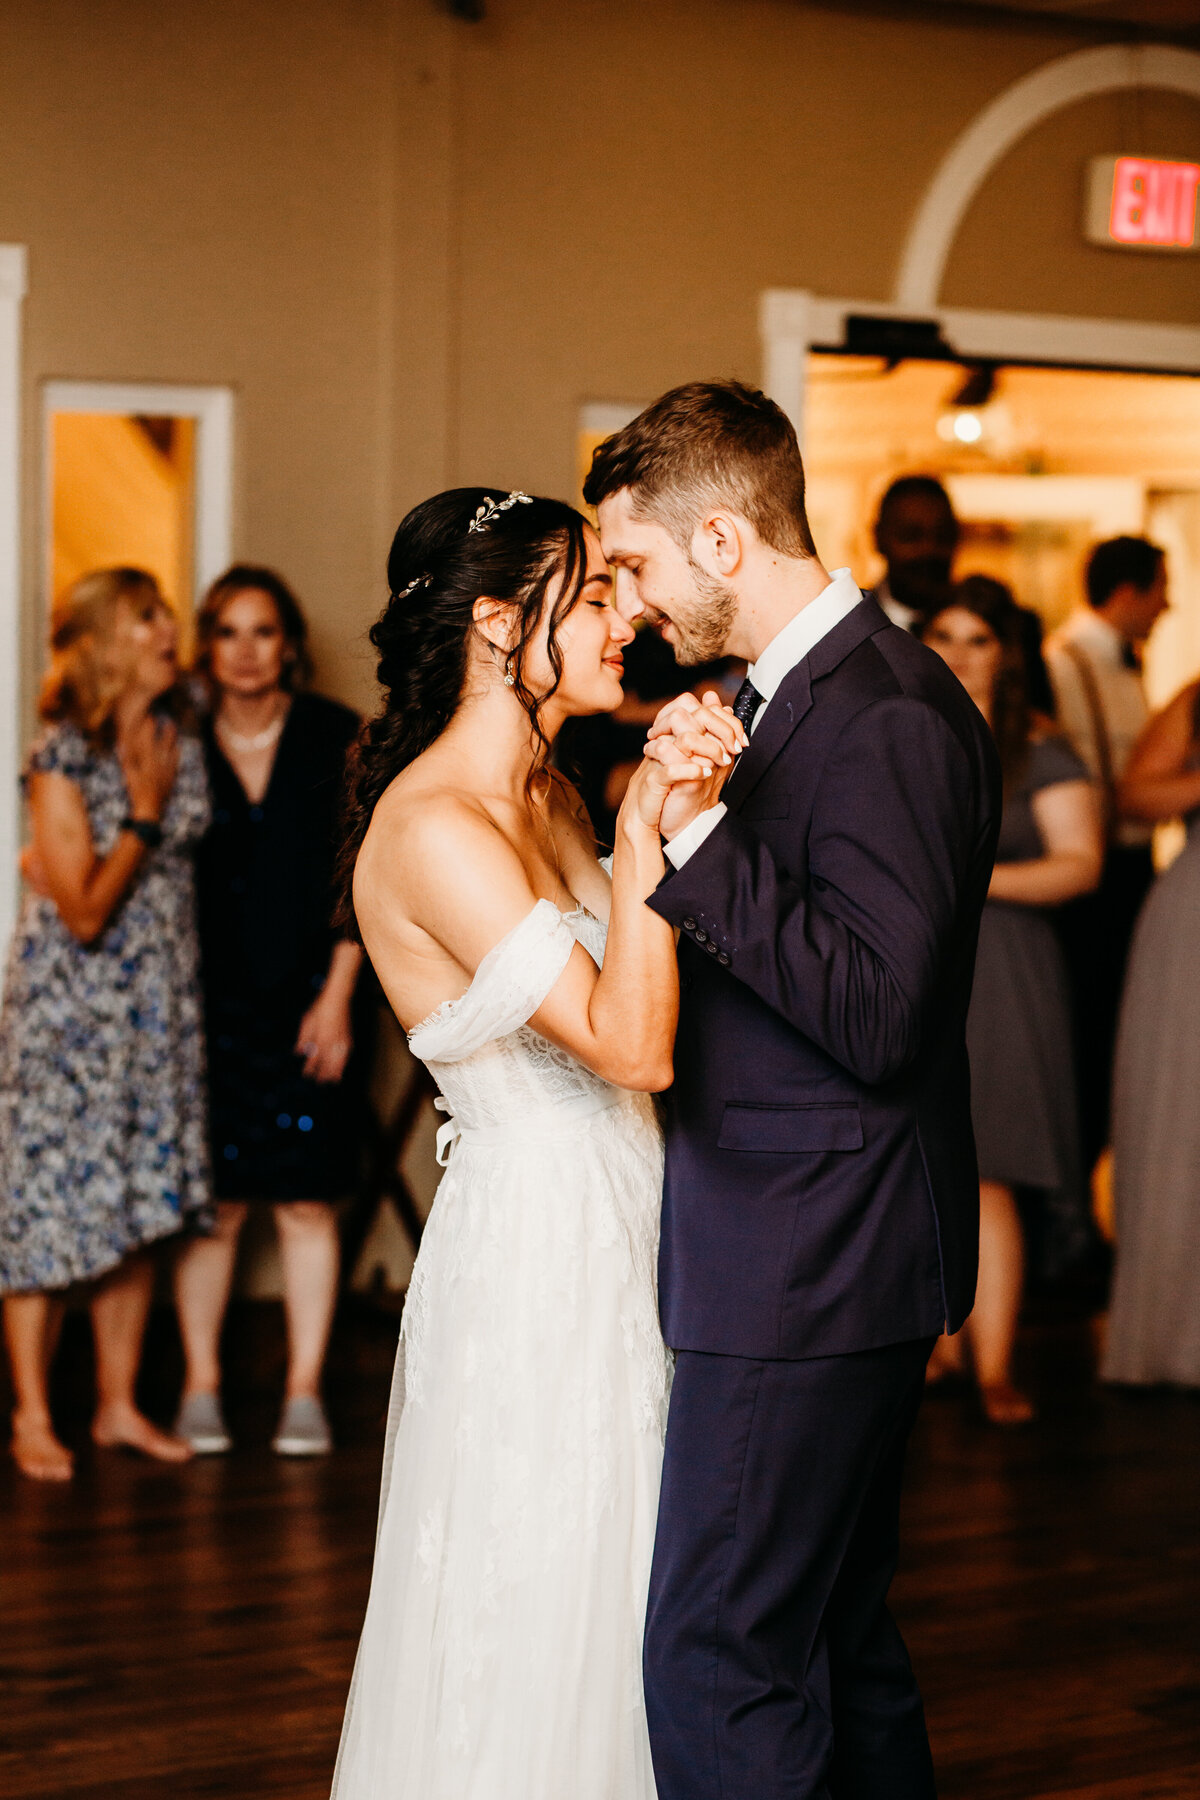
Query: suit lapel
x,y
794,696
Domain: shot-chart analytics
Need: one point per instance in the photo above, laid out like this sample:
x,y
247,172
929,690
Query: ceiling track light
x,y
978,387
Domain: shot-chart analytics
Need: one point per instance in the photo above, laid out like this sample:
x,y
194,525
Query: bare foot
x,y
37,1452
125,1427
1003,1404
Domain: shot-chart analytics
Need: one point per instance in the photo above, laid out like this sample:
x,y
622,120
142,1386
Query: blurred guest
x,y
916,533
1018,1030
102,1124
1154,1324
1094,662
279,987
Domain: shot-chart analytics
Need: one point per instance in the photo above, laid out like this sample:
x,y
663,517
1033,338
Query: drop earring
x,y
510,679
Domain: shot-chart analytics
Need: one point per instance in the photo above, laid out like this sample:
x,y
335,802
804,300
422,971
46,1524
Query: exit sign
x,y
1141,203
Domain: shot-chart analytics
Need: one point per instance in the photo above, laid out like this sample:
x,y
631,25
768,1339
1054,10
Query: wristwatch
x,y
149,830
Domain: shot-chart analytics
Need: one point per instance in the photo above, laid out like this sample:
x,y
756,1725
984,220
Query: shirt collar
x,y
1087,626
793,643
905,617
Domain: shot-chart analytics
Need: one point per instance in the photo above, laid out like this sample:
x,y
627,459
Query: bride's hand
x,y
705,731
666,775
690,720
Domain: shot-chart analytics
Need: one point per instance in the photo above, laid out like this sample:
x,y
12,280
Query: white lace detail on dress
x,y
524,1445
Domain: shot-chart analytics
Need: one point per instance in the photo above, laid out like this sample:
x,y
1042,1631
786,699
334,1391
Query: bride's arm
x,y
438,880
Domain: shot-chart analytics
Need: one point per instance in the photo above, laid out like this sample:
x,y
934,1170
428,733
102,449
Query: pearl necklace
x,y
261,740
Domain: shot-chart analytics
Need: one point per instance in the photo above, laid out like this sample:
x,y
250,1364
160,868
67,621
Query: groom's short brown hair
x,y
704,444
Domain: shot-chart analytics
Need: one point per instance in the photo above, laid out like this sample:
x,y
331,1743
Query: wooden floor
x,y
190,1632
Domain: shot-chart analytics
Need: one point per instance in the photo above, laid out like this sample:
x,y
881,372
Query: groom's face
x,y
654,579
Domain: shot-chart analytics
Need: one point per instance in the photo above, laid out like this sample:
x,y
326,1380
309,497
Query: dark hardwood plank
x,y
191,1632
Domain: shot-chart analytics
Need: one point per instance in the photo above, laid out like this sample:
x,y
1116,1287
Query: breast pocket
x,y
794,1130
771,806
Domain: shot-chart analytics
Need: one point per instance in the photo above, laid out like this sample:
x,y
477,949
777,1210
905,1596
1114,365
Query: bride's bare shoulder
x,y
420,821
428,842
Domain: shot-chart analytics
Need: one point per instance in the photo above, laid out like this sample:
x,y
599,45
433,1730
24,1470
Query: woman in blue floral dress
x,y
102,1106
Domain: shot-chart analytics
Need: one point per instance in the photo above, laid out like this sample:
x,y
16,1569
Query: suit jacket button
x,y
723,959
702,937
689,924
711,948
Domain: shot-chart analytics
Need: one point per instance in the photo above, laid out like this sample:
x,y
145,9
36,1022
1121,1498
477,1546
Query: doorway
x,y
138,473
1040,461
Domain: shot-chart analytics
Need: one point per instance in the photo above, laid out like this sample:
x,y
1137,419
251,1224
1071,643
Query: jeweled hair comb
x,y
491,509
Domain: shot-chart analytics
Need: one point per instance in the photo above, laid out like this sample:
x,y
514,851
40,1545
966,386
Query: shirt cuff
x,y
685,843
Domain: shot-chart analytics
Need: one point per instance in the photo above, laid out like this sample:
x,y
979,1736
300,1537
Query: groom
x,y
820,1215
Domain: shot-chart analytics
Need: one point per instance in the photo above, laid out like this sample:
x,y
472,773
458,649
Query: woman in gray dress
x,y
1154,1322
102,1116
1018,1030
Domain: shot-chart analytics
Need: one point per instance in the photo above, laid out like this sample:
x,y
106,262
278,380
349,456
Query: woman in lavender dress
x,y
1154,1323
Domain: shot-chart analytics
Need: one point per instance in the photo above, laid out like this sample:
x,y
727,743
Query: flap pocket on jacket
x,y
798,1129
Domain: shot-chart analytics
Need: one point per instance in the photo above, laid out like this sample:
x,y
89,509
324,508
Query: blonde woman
x,y
102,1122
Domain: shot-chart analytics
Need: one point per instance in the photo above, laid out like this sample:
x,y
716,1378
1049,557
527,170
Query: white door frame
x,y
792,323
212,410
12,293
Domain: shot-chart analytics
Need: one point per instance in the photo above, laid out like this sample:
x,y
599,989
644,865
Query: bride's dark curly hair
x,y
437,569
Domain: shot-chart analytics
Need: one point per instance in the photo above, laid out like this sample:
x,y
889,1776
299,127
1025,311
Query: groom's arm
x,y
851,956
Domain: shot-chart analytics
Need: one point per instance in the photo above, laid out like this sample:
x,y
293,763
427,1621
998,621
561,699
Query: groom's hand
x,y
687,718
702,730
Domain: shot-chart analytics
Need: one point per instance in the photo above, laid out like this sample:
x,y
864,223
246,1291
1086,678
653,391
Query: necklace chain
x,y
260,740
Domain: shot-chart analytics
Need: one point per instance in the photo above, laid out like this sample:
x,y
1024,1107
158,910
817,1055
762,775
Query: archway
x,y
994,131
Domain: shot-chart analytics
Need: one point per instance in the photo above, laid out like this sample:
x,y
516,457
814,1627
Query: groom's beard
x,y
704,621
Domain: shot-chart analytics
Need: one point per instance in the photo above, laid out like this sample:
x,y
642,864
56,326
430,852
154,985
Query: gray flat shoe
x,y
303,1429
201,1423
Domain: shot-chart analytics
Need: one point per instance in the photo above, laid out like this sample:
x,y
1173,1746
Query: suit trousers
x,y
773,1669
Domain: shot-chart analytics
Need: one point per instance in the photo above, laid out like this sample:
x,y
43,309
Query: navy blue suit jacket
x,y
821,1187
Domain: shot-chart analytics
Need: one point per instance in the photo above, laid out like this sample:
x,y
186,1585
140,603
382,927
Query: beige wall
x,y
414,247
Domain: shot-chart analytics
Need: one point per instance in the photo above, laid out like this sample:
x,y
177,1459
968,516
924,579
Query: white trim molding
x,y
994,131
792,323
212,409
13,264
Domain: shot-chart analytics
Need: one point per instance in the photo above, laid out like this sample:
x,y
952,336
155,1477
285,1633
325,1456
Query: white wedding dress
x,y
501,1654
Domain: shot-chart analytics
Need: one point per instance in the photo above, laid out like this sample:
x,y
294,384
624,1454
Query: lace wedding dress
x,y
501,1654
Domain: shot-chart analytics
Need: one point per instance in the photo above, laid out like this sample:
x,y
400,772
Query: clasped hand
x,y
689,753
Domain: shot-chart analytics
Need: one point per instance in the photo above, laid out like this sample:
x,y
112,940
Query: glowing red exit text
x,y
1153,203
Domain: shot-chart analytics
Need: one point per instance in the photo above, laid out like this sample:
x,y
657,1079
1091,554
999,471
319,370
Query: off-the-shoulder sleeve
x,y
1051,762
509,985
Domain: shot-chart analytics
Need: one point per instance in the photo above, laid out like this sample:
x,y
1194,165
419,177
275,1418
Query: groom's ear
x,y
719,543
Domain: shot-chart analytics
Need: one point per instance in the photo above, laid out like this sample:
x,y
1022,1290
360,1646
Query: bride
x,y
501,1654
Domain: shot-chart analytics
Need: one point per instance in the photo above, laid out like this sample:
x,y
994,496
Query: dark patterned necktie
x,y
746,704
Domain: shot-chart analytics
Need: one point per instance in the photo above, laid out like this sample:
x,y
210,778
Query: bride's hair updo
x,y
448,553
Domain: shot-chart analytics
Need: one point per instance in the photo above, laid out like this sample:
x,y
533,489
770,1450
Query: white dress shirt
x,y
786,649
1120,693
906,617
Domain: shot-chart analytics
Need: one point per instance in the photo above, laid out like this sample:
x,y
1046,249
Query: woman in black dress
x,y
1018,1030
279,989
